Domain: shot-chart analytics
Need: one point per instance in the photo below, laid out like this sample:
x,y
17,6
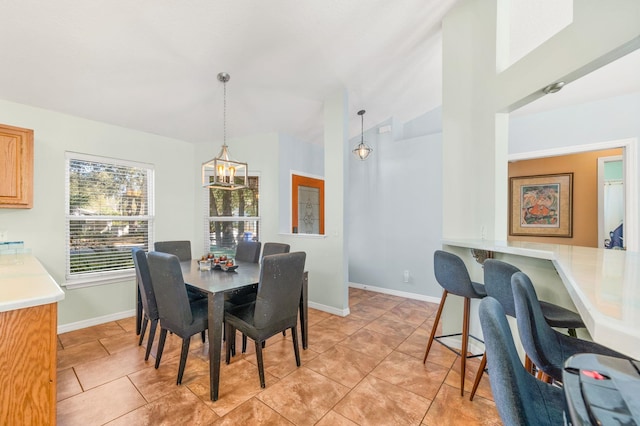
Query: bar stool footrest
x,y
454,350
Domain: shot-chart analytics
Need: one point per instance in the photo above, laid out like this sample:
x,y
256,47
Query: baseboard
x,y
399,293
329,309
65,328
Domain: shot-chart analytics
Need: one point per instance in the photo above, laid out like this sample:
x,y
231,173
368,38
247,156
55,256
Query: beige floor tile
x,y
371,343
180,407
408,314
304,396
279,358
253,412
453,378
366,311
355,371
320,339
391,327
411,374
343,365
345,325
155,383
100,405
120,342
128,324
68,384
80,354
239,381
450,409
85,335
377,402
100,371
334,419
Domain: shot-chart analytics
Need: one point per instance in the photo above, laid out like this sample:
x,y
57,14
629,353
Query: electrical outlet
x,y
406,276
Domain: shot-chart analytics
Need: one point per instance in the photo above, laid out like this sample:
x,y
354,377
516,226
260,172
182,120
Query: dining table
x,y
216,283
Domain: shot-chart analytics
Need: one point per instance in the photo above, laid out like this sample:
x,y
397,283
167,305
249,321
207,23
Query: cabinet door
x,y
16,167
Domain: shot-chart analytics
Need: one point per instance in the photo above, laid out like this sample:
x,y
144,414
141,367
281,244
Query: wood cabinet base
x,y
28,366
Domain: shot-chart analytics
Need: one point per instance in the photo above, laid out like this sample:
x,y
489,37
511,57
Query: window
x,y
307,205
109,210
231,216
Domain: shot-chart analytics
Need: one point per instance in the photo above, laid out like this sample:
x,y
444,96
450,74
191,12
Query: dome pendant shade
x,y
362,150
222,172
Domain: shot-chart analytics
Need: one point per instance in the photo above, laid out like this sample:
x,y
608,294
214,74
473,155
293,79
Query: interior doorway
x,y
611,202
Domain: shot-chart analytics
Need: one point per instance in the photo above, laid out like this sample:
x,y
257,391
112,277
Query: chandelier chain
x,y
224,113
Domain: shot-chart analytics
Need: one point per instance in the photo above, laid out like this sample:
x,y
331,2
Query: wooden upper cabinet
x,y
16,167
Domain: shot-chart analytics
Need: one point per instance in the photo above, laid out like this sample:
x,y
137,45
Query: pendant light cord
x,y
224,114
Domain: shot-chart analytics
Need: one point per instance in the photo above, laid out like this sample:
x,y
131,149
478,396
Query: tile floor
x,y
364,369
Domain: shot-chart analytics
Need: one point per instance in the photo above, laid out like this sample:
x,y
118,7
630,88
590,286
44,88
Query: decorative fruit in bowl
x,y
229,262
210,256
216,260
223,258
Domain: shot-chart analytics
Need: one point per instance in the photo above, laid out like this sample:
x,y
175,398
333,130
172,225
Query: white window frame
x,y
208,219
77,280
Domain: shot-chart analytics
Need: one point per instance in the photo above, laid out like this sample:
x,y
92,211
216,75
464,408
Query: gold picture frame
x,y
541,206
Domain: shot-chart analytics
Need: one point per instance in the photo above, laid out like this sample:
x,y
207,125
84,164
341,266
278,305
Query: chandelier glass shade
x,y
222,172
362,150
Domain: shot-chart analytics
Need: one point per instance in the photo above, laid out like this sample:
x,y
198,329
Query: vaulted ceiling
x,y
151,65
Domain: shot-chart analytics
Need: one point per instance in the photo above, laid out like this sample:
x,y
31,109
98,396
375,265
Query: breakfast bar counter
x,y
603,284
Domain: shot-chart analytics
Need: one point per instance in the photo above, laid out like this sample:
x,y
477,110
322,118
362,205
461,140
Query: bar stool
x,y
497,281
451,273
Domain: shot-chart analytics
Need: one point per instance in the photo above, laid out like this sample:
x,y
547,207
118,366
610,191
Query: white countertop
x,y
25,283
603,284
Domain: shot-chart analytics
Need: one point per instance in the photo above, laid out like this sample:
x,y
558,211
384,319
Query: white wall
x,y
475,133
43,227
395,221
300,157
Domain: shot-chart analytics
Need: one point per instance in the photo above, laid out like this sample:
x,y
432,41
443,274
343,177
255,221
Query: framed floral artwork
x,y
541,206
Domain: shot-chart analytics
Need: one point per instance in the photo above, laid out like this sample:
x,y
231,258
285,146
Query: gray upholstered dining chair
x,y
177,314
520,398
497,281
147,297
274,248
547,348
451,273
182,249
275,308
248,251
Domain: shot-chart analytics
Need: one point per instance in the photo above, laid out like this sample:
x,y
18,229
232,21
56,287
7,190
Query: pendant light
x,y
361,150
222,172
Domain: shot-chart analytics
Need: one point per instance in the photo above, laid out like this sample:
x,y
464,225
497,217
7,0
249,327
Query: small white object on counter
x,y
26,283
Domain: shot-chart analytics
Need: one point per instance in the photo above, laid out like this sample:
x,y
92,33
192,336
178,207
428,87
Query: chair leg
x,y
203,335
143,329
244,343
163,337
572,332
465,343
479,373
183,358
228,344
260,362
152,334
296,349
435,325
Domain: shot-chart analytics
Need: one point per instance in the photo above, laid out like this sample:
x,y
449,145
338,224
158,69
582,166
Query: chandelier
x,y
222,172
361,150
